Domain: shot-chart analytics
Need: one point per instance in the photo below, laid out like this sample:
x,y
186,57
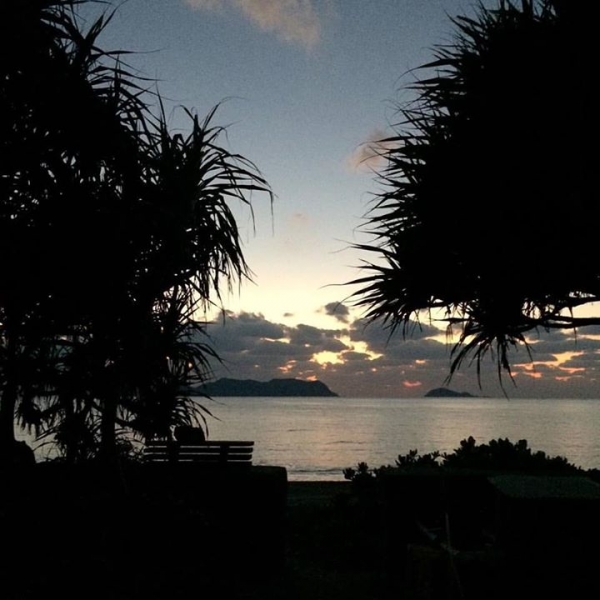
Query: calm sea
x,y
316,438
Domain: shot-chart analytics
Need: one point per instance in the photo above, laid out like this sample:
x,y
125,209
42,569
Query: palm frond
x,y
471,217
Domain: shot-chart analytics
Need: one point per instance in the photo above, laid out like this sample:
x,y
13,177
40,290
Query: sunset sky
x,y
303,85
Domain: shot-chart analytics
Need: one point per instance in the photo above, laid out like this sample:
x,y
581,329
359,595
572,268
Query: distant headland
x,y
446,393
274,387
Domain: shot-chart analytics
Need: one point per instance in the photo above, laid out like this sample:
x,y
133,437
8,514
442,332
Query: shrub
x,y
503,455
498,455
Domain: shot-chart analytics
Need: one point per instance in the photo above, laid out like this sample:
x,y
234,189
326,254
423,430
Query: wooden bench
x,y
209,452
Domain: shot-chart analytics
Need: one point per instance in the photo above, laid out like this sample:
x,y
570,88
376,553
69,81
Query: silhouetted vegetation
x,y
497,455
115,237
482,521
487,214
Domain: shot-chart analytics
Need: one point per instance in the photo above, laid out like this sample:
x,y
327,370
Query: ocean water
x,y
317,438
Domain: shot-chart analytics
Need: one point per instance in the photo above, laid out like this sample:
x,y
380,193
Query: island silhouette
x,y
250,387
443,392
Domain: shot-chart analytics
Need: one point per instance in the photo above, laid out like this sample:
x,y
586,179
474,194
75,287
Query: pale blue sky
x,y
303,83
298,108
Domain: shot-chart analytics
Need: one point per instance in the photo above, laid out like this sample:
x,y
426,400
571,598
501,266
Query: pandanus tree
x,y
488,212
116,235
187,249
191,249
55,136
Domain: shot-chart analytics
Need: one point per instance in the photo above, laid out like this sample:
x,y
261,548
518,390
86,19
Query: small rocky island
x,y
274,387
446,393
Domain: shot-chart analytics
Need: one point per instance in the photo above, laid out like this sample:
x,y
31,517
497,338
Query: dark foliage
x,y
497,455
116,235
488,211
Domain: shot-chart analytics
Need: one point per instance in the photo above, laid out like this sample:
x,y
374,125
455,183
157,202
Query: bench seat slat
x,y
203,462
200,450
152,443
212,452
208,455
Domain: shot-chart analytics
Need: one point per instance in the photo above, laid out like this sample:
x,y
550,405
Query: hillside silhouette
x,y
274,387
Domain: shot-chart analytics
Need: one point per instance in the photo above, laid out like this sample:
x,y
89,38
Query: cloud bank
x,y
293,21
355,359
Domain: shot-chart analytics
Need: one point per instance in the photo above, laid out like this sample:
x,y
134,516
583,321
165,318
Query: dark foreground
x,y
171,534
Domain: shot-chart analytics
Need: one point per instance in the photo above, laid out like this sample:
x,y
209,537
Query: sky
x,y
302,88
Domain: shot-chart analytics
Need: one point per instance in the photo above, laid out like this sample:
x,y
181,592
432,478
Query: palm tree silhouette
x,y
118,236
486,214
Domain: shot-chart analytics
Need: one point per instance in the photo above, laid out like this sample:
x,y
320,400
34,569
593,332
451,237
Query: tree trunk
x,y
8,402
7,415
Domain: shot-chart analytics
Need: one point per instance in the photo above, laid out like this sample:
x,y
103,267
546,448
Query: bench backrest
x,y
212,452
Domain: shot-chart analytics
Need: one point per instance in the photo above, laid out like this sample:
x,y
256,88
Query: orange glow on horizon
x,y
287,368
532,374
411,384
528,369
572,370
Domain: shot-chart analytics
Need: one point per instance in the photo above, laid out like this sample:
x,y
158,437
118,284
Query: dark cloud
x,y
372,364
424,349
276,348
350,355
582,344
246,325
338,311
587,330
380,337
317,339
248,341
558,343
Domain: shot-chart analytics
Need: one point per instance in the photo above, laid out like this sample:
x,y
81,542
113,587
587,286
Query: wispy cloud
x,y
369,156
294,21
